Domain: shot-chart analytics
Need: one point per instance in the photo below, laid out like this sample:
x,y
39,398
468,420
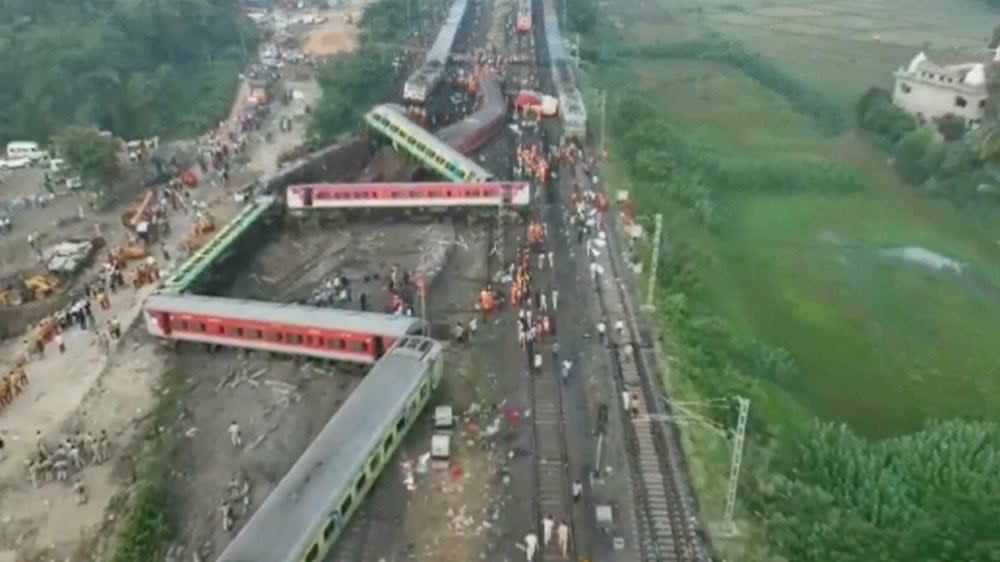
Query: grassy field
x,y
884,343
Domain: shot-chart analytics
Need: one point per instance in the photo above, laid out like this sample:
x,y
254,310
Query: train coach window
x,y
376,458
328,530
387,444
360,484
313,553
198,326
272,336
293,338
423,391
254,334
401,423
346,505
234,331
178,324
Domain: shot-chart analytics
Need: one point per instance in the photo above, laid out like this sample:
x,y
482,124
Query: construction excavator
x,y
19,289
132,217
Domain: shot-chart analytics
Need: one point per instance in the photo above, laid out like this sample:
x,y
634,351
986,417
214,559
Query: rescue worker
x,y
80,491
530,545
548,524
562,533
234,435
577,490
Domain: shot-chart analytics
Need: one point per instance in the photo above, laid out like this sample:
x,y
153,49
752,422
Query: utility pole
x,y
657,235
728,526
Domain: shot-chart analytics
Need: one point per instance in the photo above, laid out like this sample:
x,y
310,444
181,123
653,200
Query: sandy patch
x,y
332,37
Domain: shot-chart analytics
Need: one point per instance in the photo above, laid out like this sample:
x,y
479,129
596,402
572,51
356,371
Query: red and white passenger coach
x,y
420,195
327,333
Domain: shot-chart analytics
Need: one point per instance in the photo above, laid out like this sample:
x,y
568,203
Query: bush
x,y
781,175
878,115
918,155
951,127
925,496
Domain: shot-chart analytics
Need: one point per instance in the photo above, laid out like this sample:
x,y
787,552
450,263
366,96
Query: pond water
x,y
925,257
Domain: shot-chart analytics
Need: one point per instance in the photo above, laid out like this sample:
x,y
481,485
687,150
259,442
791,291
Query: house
x,y
929,91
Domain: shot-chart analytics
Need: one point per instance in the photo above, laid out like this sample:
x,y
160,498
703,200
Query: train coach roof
x,y
283,313
440,50
284,526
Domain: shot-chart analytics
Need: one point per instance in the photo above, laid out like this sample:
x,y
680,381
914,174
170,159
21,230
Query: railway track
x,y
667,525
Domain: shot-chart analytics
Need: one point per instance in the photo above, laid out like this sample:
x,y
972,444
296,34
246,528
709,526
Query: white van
x,y
25,149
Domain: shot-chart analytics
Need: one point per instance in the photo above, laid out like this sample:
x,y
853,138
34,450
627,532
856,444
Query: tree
x,y
90,154
951,127
135,68
918,155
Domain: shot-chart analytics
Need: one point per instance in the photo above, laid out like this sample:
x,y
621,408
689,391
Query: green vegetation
x,y
800,95
940,158
796,292
89,153
353,82
166,67
148,522
924,496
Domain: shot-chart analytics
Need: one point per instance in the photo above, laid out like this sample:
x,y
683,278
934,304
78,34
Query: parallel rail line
x,y
666,518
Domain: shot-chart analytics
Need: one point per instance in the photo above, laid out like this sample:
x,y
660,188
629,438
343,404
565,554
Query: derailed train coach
x,y
324,333
305,514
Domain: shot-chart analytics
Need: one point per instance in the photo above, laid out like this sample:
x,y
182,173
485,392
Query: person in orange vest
x,y
602,203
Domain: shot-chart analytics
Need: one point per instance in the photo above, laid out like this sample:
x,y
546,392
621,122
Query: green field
x,y
883,343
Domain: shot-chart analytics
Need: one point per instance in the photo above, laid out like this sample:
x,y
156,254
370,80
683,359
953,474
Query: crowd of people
x,y
67,459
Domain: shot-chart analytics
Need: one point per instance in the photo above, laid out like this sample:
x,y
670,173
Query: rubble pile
x,y
67,257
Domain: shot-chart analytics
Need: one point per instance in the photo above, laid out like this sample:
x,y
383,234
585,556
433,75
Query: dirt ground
x,y
331,37
282,410
89,389
58,220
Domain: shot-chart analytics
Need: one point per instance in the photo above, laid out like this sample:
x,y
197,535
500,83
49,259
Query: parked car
x,y
14,163
74,183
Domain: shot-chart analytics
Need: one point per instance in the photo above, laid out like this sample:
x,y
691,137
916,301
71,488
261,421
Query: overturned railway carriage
x,y
471,133
572,111
465,136
391,121
325,333
303,517
415,196
216,250
424,80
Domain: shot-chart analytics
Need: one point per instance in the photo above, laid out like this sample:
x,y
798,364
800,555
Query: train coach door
x,y
163,322
507,194
307,197
379,347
